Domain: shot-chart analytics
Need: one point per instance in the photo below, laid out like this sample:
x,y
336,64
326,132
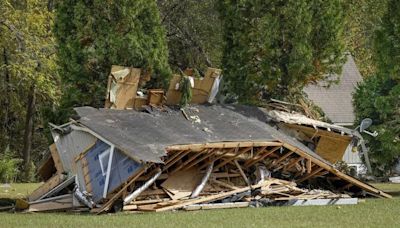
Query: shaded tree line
x,y
56,55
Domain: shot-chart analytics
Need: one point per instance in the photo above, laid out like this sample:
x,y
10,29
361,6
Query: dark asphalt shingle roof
x,y
145,136
336,101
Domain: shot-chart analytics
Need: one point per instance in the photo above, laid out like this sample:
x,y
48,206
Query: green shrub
x,y
8,167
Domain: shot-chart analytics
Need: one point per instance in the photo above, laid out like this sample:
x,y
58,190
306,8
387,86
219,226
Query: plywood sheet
x,y
331,149
182,183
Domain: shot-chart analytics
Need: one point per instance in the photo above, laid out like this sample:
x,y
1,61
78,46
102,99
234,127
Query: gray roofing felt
x,y
145,136
336,101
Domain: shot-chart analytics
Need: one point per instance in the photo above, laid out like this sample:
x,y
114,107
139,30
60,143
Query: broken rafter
x,y
176,159
219,156
308,176
293,163
336,172
244,150
187,162
207,155
241,172
261,157
279,160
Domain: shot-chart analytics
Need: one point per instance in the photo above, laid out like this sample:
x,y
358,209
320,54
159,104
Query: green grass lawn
x,y
371,213
17,190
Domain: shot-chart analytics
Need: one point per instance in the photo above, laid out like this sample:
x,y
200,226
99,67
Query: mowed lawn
x,y
370,213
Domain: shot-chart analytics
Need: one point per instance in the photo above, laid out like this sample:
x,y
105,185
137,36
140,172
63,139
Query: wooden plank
x,y
186,162
61,203
216,206
241,172
204,157
84,152
244,150
150,201
279,160
336,172
309,165
256,155
46,187
56,158
130,207
210,198
117,195
173,156
218,157
308,176
293,163
224,175
176,159
223,184
86,176
262,157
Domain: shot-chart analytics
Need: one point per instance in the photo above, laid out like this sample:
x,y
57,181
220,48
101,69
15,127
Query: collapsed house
x,y
160,158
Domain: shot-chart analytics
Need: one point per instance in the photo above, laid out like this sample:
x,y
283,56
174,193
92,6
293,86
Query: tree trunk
x,y
30,111
7,116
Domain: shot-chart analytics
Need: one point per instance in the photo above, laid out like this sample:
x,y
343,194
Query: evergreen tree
x,y
274,48
194,33
378,97
362,19
93,35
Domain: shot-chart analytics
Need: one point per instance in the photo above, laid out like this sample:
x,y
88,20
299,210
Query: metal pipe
x,y
203,182
83,198
138,191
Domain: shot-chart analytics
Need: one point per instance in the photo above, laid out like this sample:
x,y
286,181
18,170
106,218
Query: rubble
x,y
162,158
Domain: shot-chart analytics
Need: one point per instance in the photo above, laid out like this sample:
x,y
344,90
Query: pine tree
x,y
274,48
378,97
93,35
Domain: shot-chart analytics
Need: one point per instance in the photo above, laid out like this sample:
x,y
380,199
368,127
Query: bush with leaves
x,y
9,169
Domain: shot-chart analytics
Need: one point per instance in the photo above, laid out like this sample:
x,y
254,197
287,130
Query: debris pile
x,y
162,158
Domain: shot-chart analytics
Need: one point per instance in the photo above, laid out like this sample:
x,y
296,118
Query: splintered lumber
x,y
129,207
223,184
186,162
336,172
150,201
209,206
242,173
210,198
261,157
46,187
313,173
244,150
219,156
117,195
276,162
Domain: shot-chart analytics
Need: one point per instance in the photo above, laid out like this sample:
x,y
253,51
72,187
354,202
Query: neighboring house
x,y
336,103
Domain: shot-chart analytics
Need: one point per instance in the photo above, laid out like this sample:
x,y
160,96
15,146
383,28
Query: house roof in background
x,y
336,101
